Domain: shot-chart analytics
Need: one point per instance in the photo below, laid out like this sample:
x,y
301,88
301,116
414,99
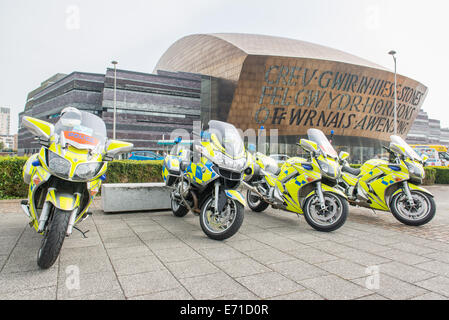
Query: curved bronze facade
x,y
291,85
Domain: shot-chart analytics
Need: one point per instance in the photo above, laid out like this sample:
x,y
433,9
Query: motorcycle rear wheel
x,y
255,203
178,209
53,239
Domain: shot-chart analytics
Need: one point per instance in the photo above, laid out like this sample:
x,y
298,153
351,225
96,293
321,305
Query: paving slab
x,y
299,295
335,288
269,284
436,267
405,272
133,265
392,288
87,284
269,256
312,255
298,270
191,268
212,286
343,268
241,267
439,285
148,283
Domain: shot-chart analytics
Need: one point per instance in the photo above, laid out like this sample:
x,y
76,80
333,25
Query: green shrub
x,y
120,171
11,181
132,171
441,175
430,176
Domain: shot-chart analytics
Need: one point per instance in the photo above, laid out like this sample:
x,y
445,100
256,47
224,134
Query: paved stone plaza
x,y
275,255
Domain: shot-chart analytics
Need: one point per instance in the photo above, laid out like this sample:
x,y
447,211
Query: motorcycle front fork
x,y
217,193
319,192
408,193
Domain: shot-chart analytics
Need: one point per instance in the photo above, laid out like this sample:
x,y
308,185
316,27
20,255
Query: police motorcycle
x,y
390,185
65,175
204,179
301,185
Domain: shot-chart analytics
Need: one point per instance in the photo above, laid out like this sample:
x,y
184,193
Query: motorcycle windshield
x,y
82,130
323,143
408,150
228,138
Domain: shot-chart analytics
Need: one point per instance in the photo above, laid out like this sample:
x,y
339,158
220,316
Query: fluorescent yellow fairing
x,y
236,195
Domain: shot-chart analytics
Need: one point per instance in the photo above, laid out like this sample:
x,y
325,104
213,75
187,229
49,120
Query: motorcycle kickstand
x,y
83,233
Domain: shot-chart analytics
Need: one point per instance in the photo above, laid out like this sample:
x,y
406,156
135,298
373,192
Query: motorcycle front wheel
x,y
332,217
418,214
221,226
54,236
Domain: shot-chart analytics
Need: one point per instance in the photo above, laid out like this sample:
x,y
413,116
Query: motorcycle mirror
x,y
42,129
114,147
308,145
343,155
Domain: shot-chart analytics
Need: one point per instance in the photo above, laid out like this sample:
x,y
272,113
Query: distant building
x,y
15,142
288,86
149,106
427,131
5,121
8,142
5,128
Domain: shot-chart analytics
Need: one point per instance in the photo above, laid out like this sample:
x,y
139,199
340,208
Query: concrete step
x,y
126,197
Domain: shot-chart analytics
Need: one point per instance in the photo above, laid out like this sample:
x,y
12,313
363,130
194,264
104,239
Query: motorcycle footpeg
x,y
195,213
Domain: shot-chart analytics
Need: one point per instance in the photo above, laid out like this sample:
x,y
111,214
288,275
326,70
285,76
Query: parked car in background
x,y
145,155
279,158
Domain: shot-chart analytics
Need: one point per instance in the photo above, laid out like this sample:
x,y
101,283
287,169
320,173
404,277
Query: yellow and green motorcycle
x,y
65,175
303,186
390,185
205,177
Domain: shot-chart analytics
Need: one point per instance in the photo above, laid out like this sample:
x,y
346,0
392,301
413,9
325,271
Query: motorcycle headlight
x,y
415,170
327,169
58,165
86,171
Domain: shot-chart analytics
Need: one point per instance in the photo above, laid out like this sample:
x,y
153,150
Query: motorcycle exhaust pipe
x,y
252,189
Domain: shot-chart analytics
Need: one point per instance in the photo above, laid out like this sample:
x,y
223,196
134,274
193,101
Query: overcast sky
x,y
41,38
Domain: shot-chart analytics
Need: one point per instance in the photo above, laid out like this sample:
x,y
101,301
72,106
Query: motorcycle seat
x,y
353,171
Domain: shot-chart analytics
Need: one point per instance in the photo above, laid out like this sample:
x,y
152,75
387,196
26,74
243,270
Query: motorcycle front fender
x,y
413,187
236,195
327,188
63,201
